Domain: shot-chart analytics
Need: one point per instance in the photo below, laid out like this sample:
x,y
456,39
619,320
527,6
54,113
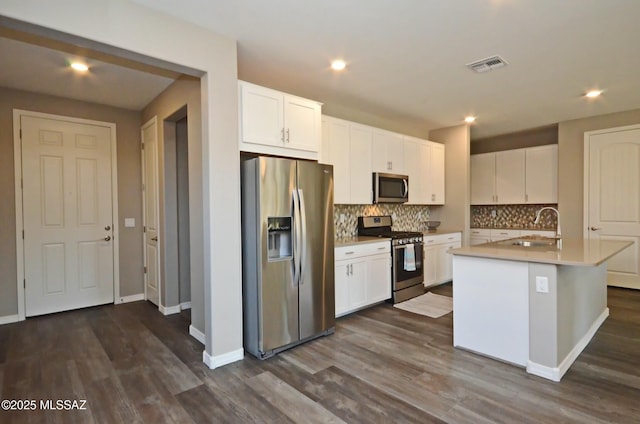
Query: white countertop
x,y
575,251
350,241
439,231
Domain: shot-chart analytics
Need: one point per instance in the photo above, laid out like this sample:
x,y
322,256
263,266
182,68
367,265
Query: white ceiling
x,y
39,69
406,58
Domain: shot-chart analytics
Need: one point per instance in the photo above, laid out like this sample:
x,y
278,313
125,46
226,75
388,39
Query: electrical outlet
x,y
542,284
493,213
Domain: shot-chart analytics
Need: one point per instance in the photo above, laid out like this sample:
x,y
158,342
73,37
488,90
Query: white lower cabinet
x,y
362,276
437,259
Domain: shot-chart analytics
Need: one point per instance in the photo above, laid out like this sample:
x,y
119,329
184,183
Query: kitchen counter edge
x,y
352,241
574,252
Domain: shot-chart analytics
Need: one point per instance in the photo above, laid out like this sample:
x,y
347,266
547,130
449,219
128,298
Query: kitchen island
x,y
527,302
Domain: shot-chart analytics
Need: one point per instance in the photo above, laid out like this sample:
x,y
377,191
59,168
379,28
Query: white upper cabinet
x,y
435,181
542,174
416,159
356,151
387,152
347,147
515,176
360,162
276,123
336,151
510,177
483,179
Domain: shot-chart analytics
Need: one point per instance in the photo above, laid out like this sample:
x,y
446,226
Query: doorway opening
x,y
177,257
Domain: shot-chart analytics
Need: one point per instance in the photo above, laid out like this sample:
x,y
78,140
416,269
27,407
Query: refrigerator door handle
x,y
303,235
296,239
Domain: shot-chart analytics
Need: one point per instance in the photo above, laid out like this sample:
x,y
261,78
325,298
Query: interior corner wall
x,y
184,91
456,212
571,164
127,28
129,185
365,118
517,140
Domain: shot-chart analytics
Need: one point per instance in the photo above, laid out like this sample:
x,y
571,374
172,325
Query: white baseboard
x,y
197,334
131,298
226,358
556,373
169,310
185,305
8,319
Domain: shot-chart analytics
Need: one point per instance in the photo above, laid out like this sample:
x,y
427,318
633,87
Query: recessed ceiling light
x,y
338,65
80,67
593,94
469,119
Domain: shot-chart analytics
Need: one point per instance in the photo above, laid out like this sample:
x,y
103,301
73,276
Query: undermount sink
x,y
530,242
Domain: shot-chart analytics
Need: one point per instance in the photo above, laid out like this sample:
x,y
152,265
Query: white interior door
x,y
67,214
151,215
614,198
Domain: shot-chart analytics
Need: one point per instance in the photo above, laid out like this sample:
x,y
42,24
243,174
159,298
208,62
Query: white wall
x,y
126,29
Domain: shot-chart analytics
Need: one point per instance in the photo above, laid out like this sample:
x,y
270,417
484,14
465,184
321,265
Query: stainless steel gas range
x,y
407,273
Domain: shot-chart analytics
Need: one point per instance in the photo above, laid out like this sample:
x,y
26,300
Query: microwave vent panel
x,y
488,64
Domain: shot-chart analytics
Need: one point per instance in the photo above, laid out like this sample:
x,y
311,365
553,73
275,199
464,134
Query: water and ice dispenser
x,y
279,238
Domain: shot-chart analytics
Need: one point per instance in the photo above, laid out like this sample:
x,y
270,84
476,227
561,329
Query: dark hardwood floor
x,y
131,364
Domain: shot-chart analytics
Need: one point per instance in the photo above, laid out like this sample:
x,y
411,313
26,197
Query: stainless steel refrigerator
x,y
287,250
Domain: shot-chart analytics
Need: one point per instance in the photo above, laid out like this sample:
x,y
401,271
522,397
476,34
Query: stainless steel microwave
x,y
390,188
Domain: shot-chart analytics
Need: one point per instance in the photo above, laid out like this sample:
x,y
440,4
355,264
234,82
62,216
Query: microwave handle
x,y
406,188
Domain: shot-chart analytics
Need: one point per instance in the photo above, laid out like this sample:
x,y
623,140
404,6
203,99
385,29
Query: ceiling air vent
x,y
488,64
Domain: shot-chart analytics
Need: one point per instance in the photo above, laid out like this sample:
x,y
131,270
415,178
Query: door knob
x,y
107,228
154,238
107,238
594,228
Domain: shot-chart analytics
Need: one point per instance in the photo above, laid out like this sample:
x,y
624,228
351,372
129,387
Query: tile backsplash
x,y
404,217
512,216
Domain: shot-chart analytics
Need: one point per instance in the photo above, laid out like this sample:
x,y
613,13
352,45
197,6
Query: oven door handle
x,y
417,245
405,183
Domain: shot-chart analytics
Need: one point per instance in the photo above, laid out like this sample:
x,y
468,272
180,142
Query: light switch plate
x,y
129,222
542,284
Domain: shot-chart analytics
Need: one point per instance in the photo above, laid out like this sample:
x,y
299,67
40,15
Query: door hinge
x,y
144,229
142,144
145,269
24,283
20,133
22,234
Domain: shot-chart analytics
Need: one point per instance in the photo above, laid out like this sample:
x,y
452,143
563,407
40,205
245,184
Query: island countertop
x,y
575,251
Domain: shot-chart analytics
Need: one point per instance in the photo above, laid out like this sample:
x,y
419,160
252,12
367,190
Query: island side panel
x,y
543,322
491,307
582,307
564,320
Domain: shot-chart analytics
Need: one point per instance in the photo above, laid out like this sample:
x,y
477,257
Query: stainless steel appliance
x,y
407,273
390,188
287,250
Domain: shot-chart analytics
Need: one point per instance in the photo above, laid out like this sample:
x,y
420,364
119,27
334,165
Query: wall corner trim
x,y
226,358
8,319
197,334
169,310
556,373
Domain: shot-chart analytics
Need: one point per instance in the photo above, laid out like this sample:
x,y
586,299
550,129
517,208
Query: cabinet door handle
x,y
349,253
282,135
287,135
381,248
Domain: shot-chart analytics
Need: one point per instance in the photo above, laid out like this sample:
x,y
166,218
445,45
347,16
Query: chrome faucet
x,y
558,230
